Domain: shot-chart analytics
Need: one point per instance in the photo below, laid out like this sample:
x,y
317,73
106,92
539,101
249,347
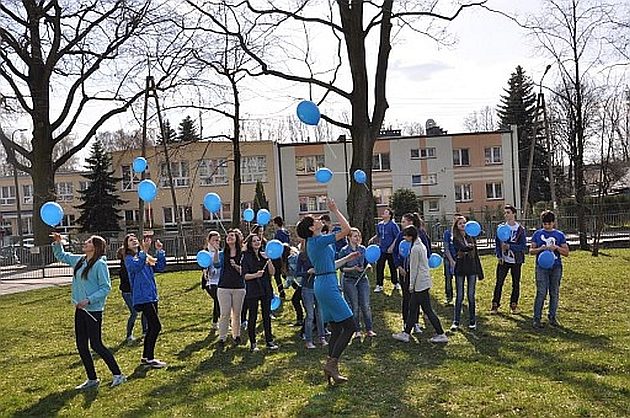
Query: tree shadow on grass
x,y
51,404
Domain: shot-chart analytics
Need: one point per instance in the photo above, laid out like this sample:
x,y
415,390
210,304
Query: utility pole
x,y
144,155
18,204
552,180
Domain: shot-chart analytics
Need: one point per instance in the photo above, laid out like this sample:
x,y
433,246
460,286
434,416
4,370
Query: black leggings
x,y
87,329
421,299
380,269
502,271
341,335
252,306
296,301
278,276
150,311
216,312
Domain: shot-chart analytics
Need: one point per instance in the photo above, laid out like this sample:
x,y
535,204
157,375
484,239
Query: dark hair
x,y
250,247
411,231
455,230
303,228
278,221
255,229
210,235
391,212
125,248
238,244
413,218
510,208
547,217
325,218
99,250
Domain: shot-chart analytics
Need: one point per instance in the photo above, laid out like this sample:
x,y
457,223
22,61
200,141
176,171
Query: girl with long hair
x,y
210,276
125,290
231,287
90,286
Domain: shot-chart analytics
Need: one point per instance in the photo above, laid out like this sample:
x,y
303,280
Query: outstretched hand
x,y
332,205
56,236
158,245
146,244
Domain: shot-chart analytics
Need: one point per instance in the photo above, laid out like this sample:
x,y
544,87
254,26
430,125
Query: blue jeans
x,y
133,315
459,298
312,313
547,281
357,294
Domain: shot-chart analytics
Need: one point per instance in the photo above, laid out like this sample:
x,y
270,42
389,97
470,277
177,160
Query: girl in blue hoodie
x,y
141,267
90,287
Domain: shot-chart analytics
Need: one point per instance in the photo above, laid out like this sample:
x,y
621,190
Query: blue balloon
x,y
263,217
323,175
308,112
275,302
360,176
404,248
274,249
212,202
139,164
51,213
372,253
204,259
147,190
546,259
472,228
435,261
504,232
248,215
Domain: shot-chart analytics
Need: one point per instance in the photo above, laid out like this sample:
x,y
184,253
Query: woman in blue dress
x,y
335,310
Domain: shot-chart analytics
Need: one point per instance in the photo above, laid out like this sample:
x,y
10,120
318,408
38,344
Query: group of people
x,y
239,281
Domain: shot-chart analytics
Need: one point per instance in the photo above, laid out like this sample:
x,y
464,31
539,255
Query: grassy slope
x,y
502,369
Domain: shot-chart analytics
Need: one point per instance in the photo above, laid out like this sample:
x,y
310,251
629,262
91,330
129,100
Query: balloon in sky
x,y
263,217
308,112
360,176
147,190
472,228
372,253
139,164
323,175
212,202
204,259
51,213
248,214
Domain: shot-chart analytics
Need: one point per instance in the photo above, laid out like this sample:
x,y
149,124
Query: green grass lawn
x,y
504,368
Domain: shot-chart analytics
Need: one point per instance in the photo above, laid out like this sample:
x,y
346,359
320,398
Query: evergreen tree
x,y
169,133
518,107
404,201
187,131
99,210
260,200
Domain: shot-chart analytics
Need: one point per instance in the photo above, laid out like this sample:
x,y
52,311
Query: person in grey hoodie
x,y
419,285
90,286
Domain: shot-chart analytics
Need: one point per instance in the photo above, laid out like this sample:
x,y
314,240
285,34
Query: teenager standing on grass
x,y
141,268
335,310
231,286
210,276
306,272
467,269
284,237
125,290
90,286
511,256
450,253
386,232
418,287
548,280
257,271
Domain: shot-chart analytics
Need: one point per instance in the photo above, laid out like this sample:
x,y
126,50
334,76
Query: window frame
x,y
494,189
460,153
462,187
489,155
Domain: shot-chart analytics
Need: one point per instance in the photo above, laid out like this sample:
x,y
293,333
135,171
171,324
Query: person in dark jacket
x,y
257,270
141,268
284,237
231,287
386,232
125,290
511,256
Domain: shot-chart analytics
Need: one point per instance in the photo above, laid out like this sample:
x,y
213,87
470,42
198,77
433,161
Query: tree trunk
x,y
236,151
360,203
43,176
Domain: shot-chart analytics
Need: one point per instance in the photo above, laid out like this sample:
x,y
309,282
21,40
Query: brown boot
x,y
495,308
331,371
514,308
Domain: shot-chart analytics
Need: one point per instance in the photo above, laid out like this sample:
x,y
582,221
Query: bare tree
x,y
120,140
356,27
481,120
68,65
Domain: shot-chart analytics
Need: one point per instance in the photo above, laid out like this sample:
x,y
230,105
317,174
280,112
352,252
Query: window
x,y
225,214
434,205
130,179
460,157
494,191
179,171
64,191
7,195
132,217
68,220
185,212
380,162
423,179
27,194
309,204
422,153
253,169
245,205
381,196
213,172
493,155
83,185
463,192
309,164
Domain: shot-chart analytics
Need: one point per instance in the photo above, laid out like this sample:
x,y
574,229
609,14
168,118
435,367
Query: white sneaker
x,y
323,341
472,325
357,335
118,380
401,336
215,325
442,338
417,329
454,327
397,286
378,289
156,364
310,345
130,339
88,384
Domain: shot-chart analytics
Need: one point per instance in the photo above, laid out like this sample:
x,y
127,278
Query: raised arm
x,y
60,254
343,222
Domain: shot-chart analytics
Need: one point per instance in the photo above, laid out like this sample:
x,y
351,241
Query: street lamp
x,y
17,189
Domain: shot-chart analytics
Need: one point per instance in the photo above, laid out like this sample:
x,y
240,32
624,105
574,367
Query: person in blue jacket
x,y
284,237
450,254
511,256
386,232
90,286
141,268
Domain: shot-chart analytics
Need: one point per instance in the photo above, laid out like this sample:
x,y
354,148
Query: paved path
x,y
22,285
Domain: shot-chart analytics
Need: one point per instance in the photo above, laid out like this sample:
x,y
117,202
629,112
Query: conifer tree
x,y
169,133
187,131
99,210
260,199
